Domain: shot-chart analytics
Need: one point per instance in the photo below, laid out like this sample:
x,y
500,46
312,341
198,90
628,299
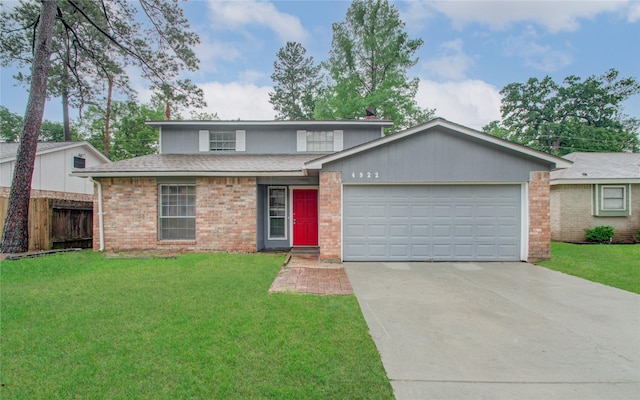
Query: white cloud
x,y
472,103
210,51
251,75
237,100
542,57
555,16
451,63
238,14
415,14
633,14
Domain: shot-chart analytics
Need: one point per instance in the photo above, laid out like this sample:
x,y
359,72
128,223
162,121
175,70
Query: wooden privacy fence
x,y
56,223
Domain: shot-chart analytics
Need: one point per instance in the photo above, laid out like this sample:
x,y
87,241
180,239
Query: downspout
x,y
100,215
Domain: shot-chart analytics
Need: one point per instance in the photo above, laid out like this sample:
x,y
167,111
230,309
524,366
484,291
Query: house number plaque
x,y
365,175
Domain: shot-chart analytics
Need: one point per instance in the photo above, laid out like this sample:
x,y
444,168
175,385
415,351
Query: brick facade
x,y
225,215
572,214
539,217
330,218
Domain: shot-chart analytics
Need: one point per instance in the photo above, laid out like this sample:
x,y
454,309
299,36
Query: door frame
x,y
291,190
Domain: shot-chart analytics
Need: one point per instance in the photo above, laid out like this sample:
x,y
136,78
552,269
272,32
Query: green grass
x,y
200,326
616,265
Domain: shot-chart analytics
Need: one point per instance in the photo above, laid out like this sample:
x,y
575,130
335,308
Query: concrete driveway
x,y
499,331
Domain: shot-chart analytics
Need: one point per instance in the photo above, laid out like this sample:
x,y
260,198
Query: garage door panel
x,y
440,223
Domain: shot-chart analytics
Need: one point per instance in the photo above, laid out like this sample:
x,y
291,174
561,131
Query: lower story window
x,y
177,211
611,200
277,212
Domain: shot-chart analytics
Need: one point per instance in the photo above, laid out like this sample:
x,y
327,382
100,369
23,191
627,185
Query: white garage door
x,y
439,223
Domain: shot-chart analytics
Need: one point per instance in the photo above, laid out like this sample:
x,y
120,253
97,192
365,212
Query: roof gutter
x,y
152,174
100,214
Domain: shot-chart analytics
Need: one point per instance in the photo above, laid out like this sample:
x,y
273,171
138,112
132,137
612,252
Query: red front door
x,y
305,217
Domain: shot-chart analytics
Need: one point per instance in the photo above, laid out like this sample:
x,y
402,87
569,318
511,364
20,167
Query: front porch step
x,y
306,250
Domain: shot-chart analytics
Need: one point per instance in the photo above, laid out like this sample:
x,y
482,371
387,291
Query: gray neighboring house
x,y
435,192
598,189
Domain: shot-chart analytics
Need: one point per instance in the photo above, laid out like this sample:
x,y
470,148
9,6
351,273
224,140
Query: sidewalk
x,y
304,273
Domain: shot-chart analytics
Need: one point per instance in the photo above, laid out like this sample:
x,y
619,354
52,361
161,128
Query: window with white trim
x,y
277,212
177,212
222,141
612,200
319,140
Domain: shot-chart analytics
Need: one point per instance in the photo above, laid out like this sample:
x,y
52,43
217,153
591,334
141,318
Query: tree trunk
x,y
107,119
65,99
15,238
65,115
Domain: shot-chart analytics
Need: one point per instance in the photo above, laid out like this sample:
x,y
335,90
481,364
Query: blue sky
x,y
471,50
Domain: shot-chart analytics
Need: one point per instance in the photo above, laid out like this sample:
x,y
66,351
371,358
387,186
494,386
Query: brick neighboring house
x,y
598,189
437,191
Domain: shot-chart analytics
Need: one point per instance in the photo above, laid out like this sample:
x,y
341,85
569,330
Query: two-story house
x,y
438,191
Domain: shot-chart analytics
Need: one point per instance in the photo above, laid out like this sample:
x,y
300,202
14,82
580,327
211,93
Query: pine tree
x,y
297,81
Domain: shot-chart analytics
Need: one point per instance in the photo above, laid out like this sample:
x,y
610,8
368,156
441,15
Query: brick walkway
x,y
304,274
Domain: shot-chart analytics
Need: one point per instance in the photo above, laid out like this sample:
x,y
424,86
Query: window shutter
x,y
337,140
240,140
302,140
204,141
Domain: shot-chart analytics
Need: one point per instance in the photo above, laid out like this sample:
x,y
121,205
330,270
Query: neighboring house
x,y
598,189
52,170
438,191
60,207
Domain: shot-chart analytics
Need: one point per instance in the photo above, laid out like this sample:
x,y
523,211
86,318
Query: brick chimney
x,y
369,114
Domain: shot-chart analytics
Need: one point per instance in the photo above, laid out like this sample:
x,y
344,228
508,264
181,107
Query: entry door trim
x,y
292,189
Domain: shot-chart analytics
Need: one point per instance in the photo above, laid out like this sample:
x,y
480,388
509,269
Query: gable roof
x,y
9,151
202,165
472,134
599,168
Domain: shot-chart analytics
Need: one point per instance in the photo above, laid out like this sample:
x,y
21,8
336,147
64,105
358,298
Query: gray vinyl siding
x,y
435,157
260,140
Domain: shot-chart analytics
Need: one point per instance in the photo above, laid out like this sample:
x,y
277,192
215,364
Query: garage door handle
x,y
294,221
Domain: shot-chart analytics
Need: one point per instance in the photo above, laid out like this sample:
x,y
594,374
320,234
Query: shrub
x,y
600,234
638,235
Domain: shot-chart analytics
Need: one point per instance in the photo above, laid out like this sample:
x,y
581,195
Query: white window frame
x,y
302,141
205,140
162,217
284,217
624,197
222,140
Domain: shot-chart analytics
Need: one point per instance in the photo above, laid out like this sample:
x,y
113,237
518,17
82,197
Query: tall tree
x,y
576,115
368,66
15,237
161,49
75,71
297,82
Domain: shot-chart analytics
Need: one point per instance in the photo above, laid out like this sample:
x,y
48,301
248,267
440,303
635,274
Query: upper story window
x,y
320,141
79,162
222,140
611,200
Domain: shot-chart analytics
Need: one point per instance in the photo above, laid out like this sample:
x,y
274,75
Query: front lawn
x,y
200,326
616,265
